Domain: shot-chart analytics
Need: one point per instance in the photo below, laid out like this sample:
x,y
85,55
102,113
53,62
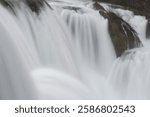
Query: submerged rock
x,y
123,36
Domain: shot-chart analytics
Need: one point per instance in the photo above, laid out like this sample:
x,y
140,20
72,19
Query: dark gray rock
x,y
148,30
123,36
139,7
34,5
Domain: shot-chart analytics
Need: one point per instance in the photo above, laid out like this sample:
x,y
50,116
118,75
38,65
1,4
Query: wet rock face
x,y
148,30
123,35
34,5
8,4
5,3
98,7
139,7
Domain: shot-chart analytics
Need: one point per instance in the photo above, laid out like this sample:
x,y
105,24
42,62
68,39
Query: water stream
x,y
67,53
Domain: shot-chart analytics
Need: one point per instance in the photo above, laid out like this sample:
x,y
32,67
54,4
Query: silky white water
x,y
67,54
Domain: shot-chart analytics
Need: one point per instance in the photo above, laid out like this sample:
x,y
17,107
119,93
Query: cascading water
x,y
16,57
90,30
66,53
130,72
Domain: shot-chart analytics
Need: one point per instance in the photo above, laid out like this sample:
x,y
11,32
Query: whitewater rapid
x,y
68,54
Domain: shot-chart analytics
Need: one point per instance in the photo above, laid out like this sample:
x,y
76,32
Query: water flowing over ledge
x,y
66,51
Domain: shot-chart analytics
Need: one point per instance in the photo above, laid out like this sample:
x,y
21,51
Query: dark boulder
x,y
97,6
139,7
123,36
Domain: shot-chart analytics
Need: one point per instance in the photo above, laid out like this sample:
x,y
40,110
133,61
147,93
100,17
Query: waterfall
x,y
67,53
90,30
139,23
130,72
16,57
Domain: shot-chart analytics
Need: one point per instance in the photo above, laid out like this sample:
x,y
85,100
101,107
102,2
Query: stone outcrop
x,y
123,36
139,7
